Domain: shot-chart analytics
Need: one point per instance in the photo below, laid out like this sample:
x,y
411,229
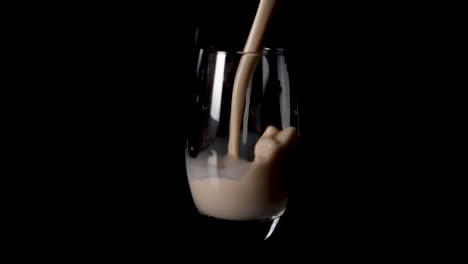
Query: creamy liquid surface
x,y
237,189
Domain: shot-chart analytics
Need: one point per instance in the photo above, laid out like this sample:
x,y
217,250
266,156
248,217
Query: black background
x,y
117,82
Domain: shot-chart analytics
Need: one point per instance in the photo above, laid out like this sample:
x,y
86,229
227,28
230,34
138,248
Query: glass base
x,y
228,230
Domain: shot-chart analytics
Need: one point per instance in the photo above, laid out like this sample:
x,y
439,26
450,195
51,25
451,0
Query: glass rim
x,y
264,51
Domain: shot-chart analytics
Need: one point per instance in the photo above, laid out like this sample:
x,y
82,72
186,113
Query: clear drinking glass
x,y
241,196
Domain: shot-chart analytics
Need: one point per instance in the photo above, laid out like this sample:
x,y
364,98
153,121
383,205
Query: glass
x,y
241,196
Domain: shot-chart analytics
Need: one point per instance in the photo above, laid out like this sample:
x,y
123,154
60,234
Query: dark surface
x,y
123,74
